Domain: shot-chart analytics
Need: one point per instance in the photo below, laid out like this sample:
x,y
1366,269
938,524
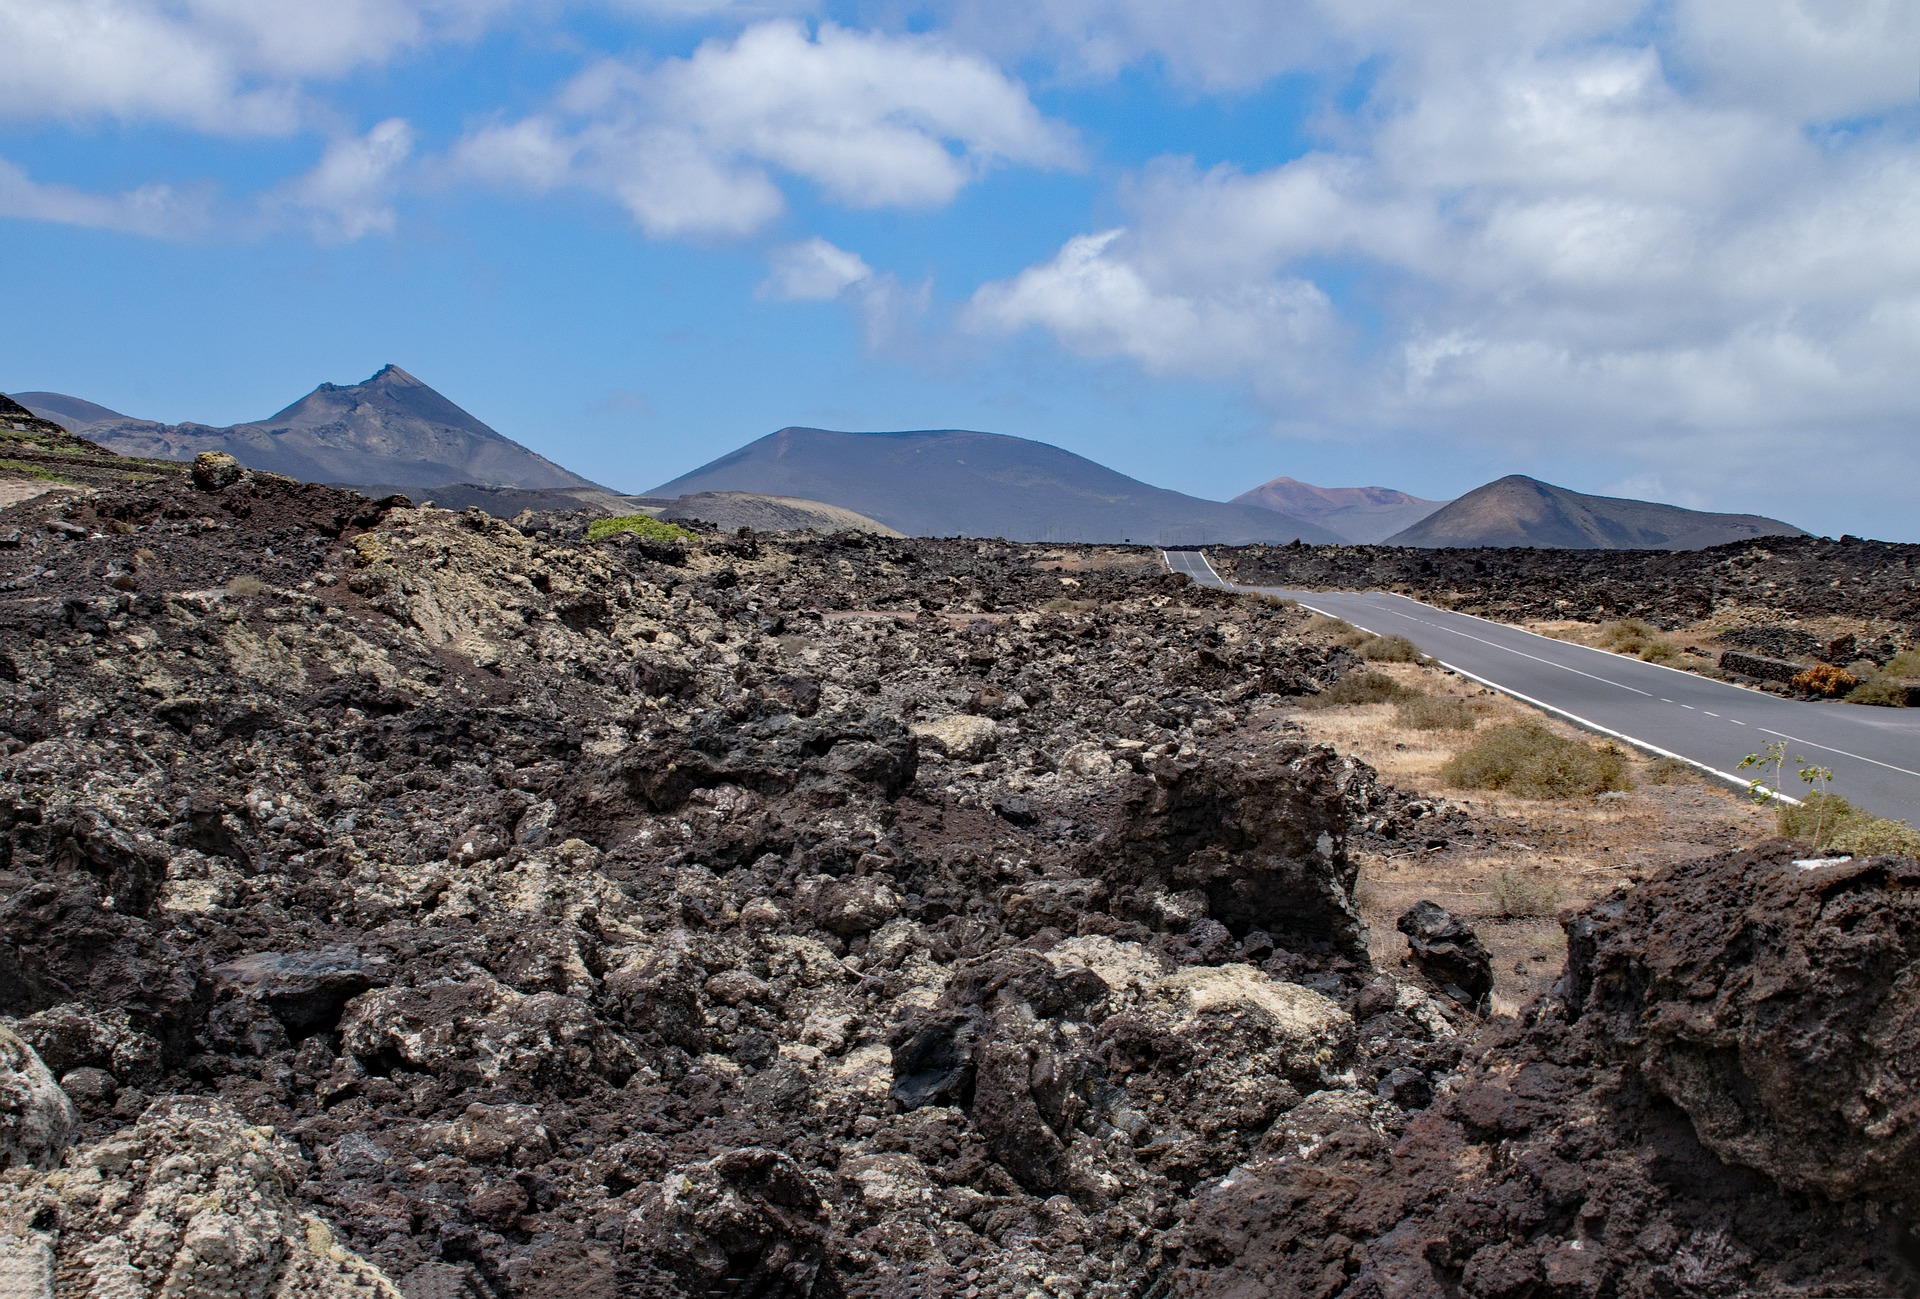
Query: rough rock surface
x,y
593,919
1788,577
190,1200
1446,949
36,1118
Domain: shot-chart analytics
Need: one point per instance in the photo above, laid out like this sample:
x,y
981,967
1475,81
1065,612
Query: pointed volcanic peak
x,y
1363,514
943,482
1521,511
392,430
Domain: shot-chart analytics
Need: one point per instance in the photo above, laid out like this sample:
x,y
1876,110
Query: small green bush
x,y
1830,823
1436,713
1391,649
1359,688
1884,694
1904,664
640,525
1526,758
1518,895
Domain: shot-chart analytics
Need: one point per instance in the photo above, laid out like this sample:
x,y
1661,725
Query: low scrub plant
x,y
1627,635
1526,758
1520,895
1879,692
1825,680
1338,630
1829,823
1904,664
1359,688
1391,649
245,584
644,526
1435,713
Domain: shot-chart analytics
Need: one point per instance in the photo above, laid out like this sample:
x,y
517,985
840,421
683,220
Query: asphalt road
x,y
1874,753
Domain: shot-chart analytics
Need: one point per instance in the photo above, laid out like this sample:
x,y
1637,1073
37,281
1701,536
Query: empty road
x,y
1874,753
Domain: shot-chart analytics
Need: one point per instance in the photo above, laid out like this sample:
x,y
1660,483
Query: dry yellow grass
x,y
1574,850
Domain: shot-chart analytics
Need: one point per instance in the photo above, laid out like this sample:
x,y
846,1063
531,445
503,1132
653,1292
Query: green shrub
x,y
1435,713
1359,688
1904,664
1883,693
1391,649
640,525
1526,758
1660,651
1522,894
1829,823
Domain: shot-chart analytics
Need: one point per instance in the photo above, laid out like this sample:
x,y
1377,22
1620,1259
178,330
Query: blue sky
x,y
1660,250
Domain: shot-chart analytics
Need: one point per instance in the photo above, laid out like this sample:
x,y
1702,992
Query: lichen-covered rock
x,y
191,1200
36,1117
479,1030
215,471
964,737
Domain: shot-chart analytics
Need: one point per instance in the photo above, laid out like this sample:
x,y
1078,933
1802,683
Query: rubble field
x,y
1867,589
400,902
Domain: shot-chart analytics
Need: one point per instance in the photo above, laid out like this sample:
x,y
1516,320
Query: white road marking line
x,y
1709,714
1575,718
1857,757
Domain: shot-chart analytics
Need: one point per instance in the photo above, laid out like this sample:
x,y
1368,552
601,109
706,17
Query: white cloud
x,y
817,271
223,66
1585,229
813,271
347,194
691,146
157,210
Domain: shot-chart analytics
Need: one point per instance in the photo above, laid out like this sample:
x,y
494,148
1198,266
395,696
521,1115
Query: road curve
x,y
1874,753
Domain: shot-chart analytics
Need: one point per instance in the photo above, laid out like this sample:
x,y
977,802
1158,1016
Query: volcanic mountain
x,y
939,483
392,429
1363,514
1521,511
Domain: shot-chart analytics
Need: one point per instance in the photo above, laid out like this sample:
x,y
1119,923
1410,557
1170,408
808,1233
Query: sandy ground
x,y
15,490
1527,855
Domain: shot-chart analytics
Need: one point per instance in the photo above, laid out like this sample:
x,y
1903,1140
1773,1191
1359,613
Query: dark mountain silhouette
x,y
1364,514
71,413
948,481
391,429
1521,511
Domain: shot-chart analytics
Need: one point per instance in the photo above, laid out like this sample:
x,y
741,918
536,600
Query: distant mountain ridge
x,y
942,482
391,429
1363,514
1522,511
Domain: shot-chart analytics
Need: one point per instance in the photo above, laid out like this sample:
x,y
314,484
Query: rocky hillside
x,y
1521,511
398,901
1363,514
390,429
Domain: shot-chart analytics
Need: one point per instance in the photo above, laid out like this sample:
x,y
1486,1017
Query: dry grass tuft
x,y
1391,649
1435,713
246,584
1526,758
1359,688
1519,895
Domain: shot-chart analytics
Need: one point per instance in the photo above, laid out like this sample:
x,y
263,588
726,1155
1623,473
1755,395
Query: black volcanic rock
x,y
1521,511
943,483
392,429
